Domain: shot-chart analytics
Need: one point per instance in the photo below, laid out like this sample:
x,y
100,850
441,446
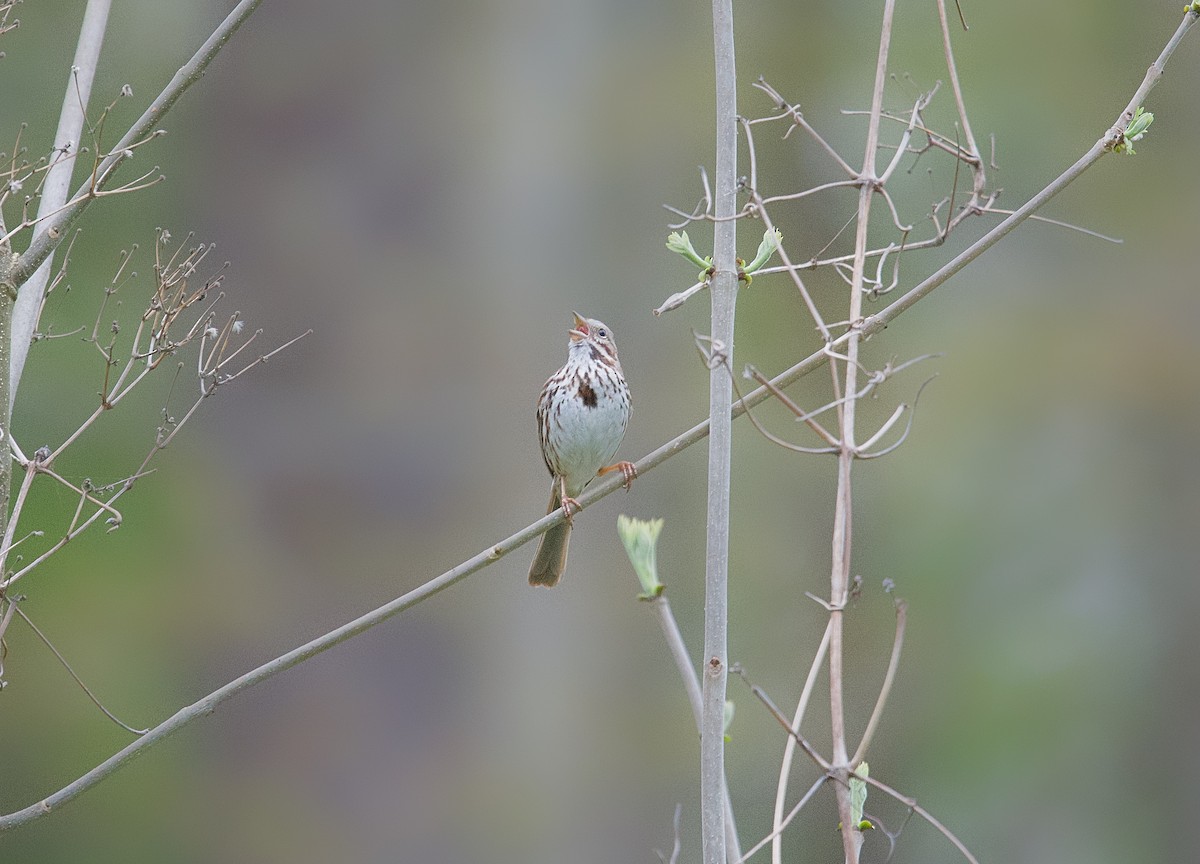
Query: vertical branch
x,y
19,309
6,394
691,683
980,177
842,523
58,179
724,294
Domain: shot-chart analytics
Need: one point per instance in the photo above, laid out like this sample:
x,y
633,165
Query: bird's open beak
x,y
580,330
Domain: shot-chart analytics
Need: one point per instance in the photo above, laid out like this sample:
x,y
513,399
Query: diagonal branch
x,y
205,706
779,821
888,679
874,323
831,772
871,324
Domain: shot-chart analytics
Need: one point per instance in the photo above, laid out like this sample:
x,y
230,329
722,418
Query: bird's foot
x,y
567,503
628,471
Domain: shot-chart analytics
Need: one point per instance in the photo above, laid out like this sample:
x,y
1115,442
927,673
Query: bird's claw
x,y
567,503
628,471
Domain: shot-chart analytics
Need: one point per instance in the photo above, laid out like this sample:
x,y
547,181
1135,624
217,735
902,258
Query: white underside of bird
x,y
581,414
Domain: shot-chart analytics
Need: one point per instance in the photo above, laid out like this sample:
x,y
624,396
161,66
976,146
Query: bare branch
x,y
832,773
793,113
691,685
702,210
204,707
34,277
63,660
1057,222
55,229
777,830
789,751
675,831
866,326
888,679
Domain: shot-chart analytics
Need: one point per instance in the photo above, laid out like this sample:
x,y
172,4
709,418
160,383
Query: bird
x,y
582,413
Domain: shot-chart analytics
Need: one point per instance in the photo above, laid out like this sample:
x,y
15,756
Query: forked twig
x,y
702,209
832,774
176,302
601,488
674,857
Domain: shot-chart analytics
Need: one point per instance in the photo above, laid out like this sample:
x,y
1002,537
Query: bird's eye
x,y
602,333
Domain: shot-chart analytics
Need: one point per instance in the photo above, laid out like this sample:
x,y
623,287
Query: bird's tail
x,y
551,558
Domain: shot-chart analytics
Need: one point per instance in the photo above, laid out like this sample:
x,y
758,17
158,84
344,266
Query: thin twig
x,y
843,507
1057,222
10,528
964,119
205,706
1115,133
888,679
677,844
595,492
793,272
829,768
774,838
63,660
789,749
55,229
793,113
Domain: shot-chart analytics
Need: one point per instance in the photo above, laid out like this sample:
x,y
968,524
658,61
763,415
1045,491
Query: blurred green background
x,y
433,188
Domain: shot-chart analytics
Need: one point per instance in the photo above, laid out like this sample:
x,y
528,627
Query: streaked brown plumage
x,y
581,418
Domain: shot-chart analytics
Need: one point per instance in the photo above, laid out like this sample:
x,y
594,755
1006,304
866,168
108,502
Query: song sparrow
x,y
581,418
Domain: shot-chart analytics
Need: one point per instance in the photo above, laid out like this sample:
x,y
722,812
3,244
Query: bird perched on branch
x,y
581,419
